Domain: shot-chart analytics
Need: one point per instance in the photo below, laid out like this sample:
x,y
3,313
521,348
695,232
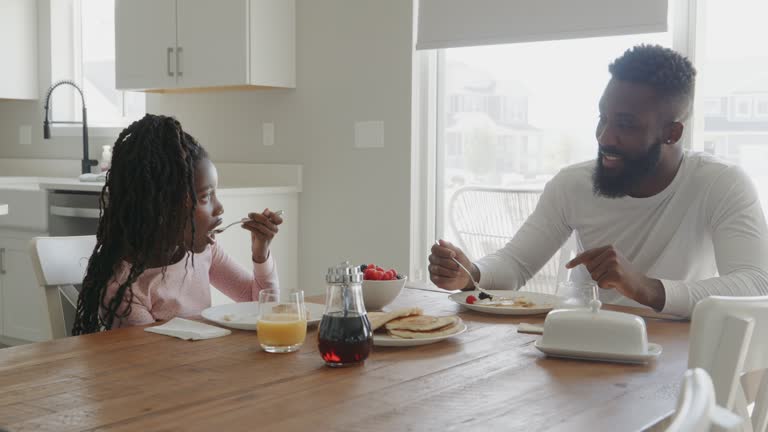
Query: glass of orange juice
x,y
282,325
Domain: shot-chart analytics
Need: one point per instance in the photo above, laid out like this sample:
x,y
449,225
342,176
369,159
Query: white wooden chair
x,y
729,338
696,408
60,264
484,219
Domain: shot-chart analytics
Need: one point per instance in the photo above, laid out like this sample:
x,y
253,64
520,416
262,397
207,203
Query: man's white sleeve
x,y
740,239
542,234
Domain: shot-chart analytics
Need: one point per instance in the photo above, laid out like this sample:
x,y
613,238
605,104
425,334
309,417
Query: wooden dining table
x,y
489,378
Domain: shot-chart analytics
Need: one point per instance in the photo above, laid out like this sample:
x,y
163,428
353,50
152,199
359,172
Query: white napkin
x,y
530,328
90,177
188,330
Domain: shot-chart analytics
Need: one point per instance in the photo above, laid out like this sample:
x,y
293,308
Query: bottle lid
x,y
344,273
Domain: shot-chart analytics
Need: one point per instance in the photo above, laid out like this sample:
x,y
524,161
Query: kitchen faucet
x,y
86,163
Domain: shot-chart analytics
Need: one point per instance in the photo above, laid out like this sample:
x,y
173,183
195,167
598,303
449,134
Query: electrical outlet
x,y
268,134
25,134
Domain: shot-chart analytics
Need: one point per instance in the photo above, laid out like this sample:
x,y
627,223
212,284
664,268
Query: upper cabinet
x,y
166,45
18,49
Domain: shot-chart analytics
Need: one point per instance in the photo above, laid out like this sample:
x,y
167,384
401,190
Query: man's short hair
x,y
665,70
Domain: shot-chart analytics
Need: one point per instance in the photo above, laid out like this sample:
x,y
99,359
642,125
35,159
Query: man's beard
x,y
632,171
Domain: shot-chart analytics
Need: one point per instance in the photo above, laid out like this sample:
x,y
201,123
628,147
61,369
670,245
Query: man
x,y
656,225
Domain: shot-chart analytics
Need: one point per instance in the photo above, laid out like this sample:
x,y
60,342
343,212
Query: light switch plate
x,y
369,134
268,134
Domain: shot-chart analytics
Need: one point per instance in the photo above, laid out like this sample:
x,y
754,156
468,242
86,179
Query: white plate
x,y
654,350
389,341
542,302
247,314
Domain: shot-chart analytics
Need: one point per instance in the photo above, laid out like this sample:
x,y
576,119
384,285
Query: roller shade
x,y
456,23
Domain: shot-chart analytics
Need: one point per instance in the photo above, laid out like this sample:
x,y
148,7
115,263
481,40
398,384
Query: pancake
x,y
445,331
378,319
421,323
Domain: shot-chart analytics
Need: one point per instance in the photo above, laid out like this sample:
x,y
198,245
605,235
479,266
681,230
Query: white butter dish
x,y
597,335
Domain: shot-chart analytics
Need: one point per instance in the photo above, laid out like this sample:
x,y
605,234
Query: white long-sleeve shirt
x,y
705,234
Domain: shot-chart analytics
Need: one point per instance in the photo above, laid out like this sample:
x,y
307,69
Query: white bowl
x,y
600,332
379,293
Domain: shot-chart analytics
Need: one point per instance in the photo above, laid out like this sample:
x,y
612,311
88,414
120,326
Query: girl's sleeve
x,y
238,283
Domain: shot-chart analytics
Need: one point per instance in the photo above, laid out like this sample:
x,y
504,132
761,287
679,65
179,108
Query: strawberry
x,y
471,299
369,274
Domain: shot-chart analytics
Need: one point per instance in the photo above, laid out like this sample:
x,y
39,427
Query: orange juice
x,y
280,330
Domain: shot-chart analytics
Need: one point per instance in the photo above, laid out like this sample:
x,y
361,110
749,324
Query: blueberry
x,y
362,267
484,296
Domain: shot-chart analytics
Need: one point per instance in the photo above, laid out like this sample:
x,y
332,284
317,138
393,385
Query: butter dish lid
x,y
595,330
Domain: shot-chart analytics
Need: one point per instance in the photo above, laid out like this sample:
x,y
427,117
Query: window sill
x,y
75,130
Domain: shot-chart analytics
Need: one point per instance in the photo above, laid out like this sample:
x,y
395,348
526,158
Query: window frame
x,y
428,82
760,99
72,51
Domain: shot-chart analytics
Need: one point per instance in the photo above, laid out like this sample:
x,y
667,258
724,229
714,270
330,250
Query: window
x,y
523,111
732,65
742,107
83,50
761,107
713,107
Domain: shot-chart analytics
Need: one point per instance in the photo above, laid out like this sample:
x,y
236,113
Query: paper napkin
x,y
188,330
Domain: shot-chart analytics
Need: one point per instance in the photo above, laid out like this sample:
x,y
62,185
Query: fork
x,y
474,282
221,230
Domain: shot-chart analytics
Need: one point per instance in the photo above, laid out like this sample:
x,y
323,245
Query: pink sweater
x,y
185,290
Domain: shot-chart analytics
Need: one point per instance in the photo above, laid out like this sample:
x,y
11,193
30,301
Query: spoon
x,y
474,282
221,230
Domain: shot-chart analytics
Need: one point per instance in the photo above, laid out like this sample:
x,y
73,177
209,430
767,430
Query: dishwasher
x,y
72,213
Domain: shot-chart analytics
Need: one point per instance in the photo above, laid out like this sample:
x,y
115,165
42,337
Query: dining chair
x,y
60,264
484,219
729,339
696,407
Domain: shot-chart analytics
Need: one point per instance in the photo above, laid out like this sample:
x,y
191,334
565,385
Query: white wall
x,y
353,63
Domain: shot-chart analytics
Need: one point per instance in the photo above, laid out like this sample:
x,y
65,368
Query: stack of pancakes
x,y
410,323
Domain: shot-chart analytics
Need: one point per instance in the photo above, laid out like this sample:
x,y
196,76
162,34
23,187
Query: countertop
x,y
73,184
234,178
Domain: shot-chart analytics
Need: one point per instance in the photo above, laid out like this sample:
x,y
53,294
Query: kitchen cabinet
x,y
22,304
171,45
237,241
18,49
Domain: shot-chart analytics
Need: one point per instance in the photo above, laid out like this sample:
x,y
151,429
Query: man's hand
x,y
444,272
611,270
263,228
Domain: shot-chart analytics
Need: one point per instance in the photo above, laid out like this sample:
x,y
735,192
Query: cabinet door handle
x,y
168,61
178,61
75,212
2,260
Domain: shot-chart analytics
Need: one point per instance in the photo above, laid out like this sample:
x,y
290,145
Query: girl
x,y
156,256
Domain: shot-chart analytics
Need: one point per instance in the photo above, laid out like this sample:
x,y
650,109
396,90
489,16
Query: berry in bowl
x,y
380,287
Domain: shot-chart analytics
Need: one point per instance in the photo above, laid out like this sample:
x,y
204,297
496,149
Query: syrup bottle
x,y
345,337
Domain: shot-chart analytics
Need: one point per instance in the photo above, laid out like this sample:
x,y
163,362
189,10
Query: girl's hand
x,y
263,227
